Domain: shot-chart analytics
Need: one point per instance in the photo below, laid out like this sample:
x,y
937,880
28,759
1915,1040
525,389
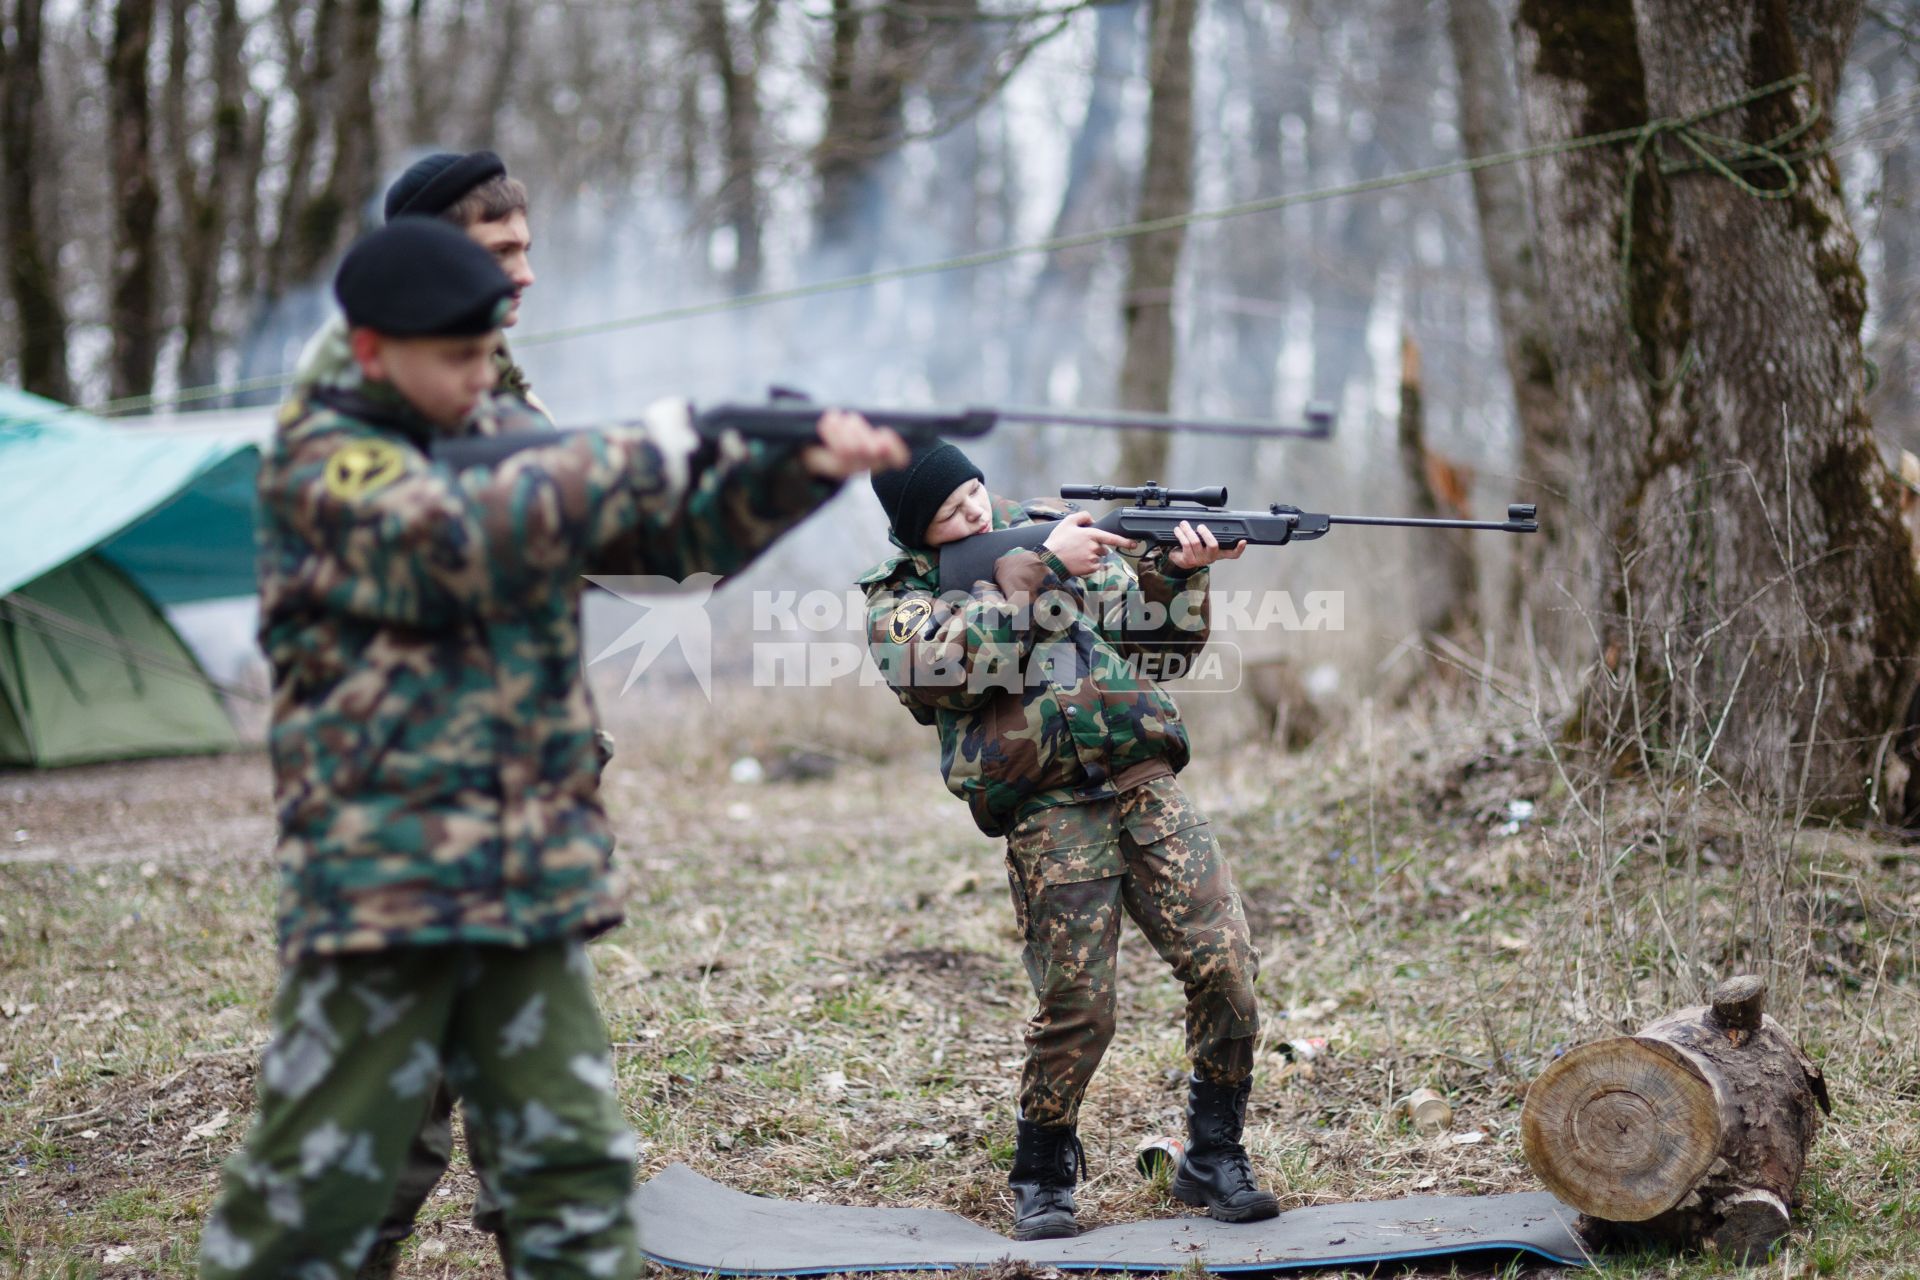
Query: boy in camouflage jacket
x,y
474,193
443,851
1056,741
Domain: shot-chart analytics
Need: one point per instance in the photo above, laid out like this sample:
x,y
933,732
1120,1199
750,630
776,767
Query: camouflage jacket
x,y
1033,680
432,739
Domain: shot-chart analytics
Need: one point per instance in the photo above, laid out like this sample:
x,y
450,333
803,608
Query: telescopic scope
x,y
1148,494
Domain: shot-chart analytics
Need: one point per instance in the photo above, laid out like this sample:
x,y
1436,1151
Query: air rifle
x,y
789,417
1157,511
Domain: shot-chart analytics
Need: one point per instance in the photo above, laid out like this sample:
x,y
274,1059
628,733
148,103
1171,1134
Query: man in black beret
x,y
475,193
444,853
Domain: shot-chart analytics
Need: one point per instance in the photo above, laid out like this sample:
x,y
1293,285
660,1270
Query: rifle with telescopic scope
x,y
1155,512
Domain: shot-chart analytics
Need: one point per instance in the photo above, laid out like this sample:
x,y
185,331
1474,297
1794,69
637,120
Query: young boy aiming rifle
x,y
1058,744
443,850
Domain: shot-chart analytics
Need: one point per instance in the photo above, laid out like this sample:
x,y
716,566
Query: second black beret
x,y
434,184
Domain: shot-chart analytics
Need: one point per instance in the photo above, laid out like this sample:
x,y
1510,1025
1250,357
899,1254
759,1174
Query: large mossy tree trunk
x,y
1752,591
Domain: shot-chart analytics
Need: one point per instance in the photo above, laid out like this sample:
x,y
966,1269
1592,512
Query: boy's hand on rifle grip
x,y
849,444
1079,545
1199,548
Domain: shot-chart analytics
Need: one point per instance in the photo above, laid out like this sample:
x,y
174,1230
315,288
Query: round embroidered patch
x,y
362,468
908,620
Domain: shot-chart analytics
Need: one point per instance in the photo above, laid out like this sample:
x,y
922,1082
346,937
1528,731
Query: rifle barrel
x,y
1411,522
1319,422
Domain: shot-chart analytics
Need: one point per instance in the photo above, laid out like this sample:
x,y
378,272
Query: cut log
x,y
1694,1131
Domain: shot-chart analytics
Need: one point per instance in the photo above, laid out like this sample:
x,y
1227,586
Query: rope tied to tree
x,y
1714,153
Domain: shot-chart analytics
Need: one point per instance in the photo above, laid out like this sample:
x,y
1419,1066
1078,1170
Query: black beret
x,y
434,184
420,277
914,495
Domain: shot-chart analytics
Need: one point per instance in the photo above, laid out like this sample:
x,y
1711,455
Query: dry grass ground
x,y
818,994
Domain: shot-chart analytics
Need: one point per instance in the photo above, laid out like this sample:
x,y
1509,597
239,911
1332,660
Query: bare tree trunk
x,y
33,274
134,311
1445,588
311,90
318,218
205,198
177,149
1350,236
423,121
507,31
1166,189
1096,176
740,202
1756,603
1256,248
690,131
1896,345
866,95
436,73
1490,123
954,79
336,214
251,247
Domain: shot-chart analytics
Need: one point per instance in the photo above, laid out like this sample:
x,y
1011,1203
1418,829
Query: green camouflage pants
x,y
1073,870
432,1150
425,1164
361,1043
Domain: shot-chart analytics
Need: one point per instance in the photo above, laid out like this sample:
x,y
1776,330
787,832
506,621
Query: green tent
x,y
98,527
91,670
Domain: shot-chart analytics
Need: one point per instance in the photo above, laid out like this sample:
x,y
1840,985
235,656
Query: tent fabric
x,y
200,545
175,509
90,670
100,526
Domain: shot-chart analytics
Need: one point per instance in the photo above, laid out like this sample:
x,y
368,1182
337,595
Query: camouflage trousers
x,y
426,1162
360,1046
1073,869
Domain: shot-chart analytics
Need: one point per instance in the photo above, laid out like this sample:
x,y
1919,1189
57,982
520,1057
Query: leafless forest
x,y
1554,784
1706,407
1693,345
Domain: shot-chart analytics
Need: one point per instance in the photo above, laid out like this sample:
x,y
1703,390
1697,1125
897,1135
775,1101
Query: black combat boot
x,y
1216,1173
1046,1164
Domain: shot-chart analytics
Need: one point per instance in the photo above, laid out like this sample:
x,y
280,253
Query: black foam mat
x,y
695,1224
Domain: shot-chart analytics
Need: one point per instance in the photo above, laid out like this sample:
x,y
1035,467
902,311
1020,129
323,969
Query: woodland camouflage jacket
x,y
432,741
1043,703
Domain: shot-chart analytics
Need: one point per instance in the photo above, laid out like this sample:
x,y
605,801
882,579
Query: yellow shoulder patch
x,y
909,619
291,411
364,467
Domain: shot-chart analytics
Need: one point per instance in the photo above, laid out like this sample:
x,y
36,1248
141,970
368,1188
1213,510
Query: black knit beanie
x,y
434,184
913,495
